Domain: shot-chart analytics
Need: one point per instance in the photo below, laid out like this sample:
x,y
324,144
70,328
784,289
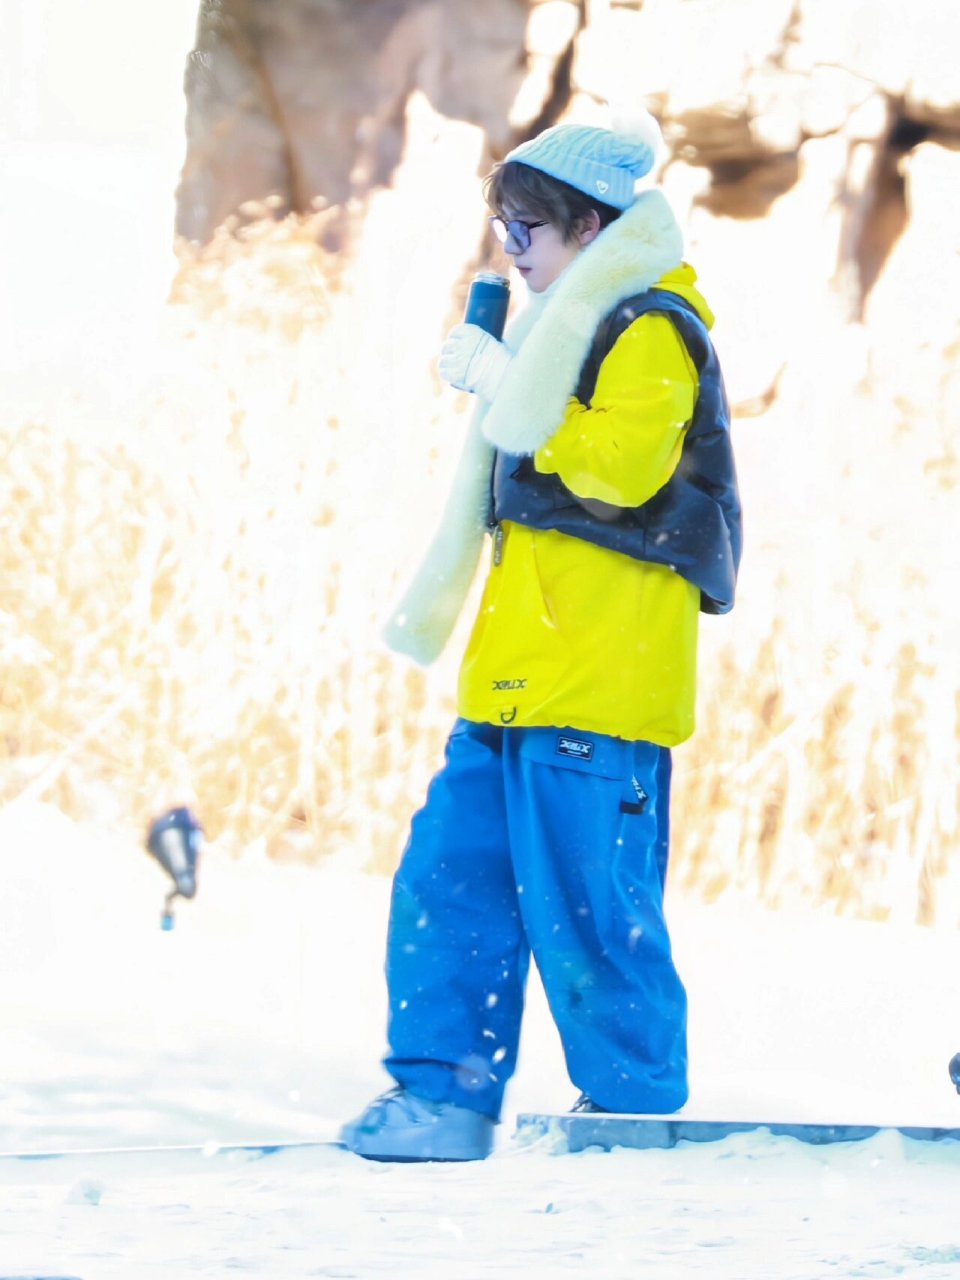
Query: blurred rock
x,y
921,278
694,64
304,101
907,52
735,80
828,126
550,37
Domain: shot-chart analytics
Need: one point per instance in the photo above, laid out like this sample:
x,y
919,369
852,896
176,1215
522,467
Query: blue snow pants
x,y
553,842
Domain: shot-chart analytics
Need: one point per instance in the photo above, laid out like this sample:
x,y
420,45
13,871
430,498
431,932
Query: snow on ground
x,y
261,1016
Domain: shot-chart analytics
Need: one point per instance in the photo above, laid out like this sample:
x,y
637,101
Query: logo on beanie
x,y
603,187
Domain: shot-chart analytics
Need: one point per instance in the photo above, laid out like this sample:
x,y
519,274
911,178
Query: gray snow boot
x,y
399,1126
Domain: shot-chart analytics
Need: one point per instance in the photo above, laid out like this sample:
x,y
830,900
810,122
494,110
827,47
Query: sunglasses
x,y
504,228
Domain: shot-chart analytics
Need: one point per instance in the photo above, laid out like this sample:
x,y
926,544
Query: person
x,y
599,461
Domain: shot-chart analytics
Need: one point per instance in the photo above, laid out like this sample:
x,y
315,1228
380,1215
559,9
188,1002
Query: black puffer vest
x,y
692,524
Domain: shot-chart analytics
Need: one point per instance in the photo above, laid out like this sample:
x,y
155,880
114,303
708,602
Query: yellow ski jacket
x,y
571,634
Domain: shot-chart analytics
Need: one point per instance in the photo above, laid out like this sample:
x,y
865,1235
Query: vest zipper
x,y
497,544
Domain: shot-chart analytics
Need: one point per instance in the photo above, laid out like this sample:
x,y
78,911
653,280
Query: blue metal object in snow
x,y
606,1130
175,840
234,1152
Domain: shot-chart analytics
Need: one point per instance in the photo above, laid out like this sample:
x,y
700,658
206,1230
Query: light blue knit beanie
x,y
599,162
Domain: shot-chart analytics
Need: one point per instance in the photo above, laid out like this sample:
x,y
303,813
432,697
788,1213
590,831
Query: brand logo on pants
x,y
641,795
574,747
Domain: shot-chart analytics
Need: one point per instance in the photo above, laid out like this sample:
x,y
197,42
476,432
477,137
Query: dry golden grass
x,y
176,625
825,767
192,590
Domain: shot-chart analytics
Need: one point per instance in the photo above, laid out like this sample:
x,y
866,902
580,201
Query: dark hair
x,y
522,187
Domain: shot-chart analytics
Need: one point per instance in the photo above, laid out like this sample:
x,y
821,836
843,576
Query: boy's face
x,y
548,253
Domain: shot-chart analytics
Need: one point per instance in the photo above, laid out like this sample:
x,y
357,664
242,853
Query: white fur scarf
x,y
550,340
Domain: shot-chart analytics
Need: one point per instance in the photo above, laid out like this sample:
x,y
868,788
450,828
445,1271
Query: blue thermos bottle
x,y
487,302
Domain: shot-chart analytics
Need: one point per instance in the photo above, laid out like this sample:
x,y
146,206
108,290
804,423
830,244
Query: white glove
x,y
472,360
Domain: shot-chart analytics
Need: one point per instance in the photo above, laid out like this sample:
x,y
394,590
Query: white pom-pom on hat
x,y
637,125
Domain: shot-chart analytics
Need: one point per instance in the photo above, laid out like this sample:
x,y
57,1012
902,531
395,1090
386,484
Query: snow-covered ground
x,y
261,1016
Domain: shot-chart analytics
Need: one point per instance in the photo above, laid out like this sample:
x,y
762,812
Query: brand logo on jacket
x,y
508,717
576,748
501,686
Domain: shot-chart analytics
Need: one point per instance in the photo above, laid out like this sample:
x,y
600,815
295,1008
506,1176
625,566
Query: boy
x,y
601,458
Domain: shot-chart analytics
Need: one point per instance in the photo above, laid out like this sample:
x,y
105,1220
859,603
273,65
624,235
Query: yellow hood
x,y
682,281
